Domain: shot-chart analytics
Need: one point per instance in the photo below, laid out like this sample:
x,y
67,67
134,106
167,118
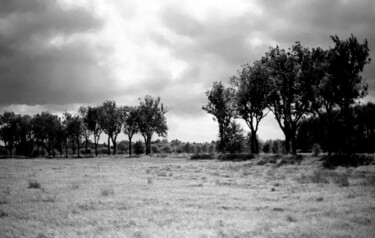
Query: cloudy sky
x,y
57,55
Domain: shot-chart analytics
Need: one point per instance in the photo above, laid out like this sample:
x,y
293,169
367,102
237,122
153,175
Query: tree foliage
x,y
152,119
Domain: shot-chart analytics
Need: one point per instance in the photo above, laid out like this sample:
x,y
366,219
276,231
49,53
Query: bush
x,y
155,149
85,152
201,156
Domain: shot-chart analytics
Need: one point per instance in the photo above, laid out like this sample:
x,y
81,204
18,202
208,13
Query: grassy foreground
x,y
167,197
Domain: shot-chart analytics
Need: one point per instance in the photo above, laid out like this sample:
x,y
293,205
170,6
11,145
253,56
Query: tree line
x,y
33,135
294,85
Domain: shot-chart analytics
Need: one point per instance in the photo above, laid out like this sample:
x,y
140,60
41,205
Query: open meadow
x,y
178,197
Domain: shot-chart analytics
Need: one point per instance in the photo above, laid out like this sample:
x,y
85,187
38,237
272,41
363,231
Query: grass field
x,y
169,197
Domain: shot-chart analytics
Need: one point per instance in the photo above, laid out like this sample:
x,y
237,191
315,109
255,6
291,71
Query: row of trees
x,y
294,84
48,132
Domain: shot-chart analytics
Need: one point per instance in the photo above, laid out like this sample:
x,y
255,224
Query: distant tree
x,y
38,130
93,124
75,130
131,123
83,112
52,126
8,130
111,123
24,135
220,105
235,137
267,146
252,89
152,119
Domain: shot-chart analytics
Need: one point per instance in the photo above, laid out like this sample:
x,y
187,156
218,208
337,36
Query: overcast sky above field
x,y
57,55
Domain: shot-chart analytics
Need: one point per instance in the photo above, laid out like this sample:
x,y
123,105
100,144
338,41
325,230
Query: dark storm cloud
x,y
281,22
43,60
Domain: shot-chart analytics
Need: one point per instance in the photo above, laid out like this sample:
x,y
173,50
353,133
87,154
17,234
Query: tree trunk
x,y
114,144
254,142
87,140
287,143
221,133
96,149
66,147
130,145
43,148
78,146
96,141
53,149
109,146
73,147
294,143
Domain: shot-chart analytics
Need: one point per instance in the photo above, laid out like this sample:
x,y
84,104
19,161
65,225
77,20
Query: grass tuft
x,y
107,192
74,186
34,184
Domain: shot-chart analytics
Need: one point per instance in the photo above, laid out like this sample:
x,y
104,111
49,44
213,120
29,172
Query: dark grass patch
x,y
3,214
202,157
235,157
347,160
325,177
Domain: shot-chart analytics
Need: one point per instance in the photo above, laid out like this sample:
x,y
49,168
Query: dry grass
x,y
168,197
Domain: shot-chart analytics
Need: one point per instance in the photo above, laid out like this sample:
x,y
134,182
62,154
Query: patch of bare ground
x,y
177,197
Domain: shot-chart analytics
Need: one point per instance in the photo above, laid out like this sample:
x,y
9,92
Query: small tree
x,y
83,112
220,105
252,89
131,123
152,119
93,124
111,123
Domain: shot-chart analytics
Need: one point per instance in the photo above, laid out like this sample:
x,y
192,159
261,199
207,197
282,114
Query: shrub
x,y
235,157
316,149
155,149
201,156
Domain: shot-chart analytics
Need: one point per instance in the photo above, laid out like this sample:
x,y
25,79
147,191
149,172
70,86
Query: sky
x,y
58,55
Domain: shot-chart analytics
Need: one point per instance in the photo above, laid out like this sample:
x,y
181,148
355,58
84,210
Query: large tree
x,y
131,123
290,99
220,105
346,61
252,89
111,123
152,119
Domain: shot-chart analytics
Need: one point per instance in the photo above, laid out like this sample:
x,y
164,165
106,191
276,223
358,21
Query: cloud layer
x,y
66,52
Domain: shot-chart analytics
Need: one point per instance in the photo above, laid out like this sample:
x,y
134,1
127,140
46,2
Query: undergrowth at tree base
x,y
347,160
